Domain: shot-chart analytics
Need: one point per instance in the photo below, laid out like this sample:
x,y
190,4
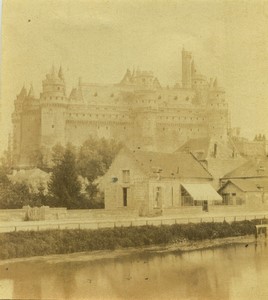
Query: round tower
x,y
53,108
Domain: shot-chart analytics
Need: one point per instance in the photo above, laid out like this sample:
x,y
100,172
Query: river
x,y
228,272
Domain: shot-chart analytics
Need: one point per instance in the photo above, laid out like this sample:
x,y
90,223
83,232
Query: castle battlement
x,y
137,111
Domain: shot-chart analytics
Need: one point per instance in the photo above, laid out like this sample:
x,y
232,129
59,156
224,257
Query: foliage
x,y
91,161
64,186
25,244
95,157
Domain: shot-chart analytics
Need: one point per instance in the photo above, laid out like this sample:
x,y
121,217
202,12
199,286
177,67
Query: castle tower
x,y
16,121
53,106
26,128
186,69
217,112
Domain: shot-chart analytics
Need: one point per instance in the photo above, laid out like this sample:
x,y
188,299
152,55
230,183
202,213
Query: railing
x,y
65,224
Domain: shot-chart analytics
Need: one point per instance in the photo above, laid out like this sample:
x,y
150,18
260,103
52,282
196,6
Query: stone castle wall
x,y
137,111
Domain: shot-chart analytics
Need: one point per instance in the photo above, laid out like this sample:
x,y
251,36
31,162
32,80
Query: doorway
x,y
124,197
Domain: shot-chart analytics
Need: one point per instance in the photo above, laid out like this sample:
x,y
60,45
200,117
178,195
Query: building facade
x,y
152,182
137,111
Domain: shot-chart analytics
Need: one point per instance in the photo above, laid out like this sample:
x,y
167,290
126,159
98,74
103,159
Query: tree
x,y
64,186
95,157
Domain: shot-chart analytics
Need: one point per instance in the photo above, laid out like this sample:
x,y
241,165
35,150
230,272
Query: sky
x,y
99,40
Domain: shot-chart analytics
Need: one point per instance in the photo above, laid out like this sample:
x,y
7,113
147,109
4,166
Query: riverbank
x,y
182,247
183,237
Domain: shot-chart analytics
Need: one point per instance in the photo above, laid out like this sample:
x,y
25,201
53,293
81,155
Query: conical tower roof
x,y
31,92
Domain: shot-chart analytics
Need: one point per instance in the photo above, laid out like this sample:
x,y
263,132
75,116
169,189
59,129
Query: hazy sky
x,y
98,40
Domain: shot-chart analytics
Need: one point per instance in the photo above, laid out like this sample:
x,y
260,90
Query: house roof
x,y
199,147
250,169
203,148
170,165
248,185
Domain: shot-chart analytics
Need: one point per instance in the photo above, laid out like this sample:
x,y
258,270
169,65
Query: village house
x,y
218,156
247,185
153,182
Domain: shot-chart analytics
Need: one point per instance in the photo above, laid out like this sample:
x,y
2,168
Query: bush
x,y
32,243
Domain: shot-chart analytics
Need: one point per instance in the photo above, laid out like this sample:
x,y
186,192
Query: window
x,y
52,126
157,202
126,176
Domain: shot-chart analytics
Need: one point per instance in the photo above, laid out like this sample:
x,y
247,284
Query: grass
x,y
36,243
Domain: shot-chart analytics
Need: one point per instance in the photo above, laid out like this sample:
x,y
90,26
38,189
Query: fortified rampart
x,y
137,111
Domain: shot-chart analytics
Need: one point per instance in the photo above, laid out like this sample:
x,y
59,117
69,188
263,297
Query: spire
x,y
31,92
52,74
23,91
60,74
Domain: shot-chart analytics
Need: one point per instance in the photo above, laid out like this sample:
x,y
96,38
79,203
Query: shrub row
x,y
34,243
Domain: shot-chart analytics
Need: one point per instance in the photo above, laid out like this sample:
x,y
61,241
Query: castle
x,y
137,111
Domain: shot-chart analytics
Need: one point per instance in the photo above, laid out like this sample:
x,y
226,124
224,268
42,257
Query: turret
x,y
53,107
54,87
186,69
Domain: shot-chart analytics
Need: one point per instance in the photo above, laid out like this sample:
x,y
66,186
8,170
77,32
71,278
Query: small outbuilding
x,y
248,192
246,185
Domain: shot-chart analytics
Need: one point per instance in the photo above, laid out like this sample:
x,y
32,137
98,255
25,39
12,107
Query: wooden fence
x,y
61,224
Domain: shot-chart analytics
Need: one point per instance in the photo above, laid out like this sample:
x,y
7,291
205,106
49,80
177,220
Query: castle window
x,y
112,95
52,126
58,88
96,94
175,98
56,98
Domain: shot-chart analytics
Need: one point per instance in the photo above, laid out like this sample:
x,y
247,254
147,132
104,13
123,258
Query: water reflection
x,y
231,272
